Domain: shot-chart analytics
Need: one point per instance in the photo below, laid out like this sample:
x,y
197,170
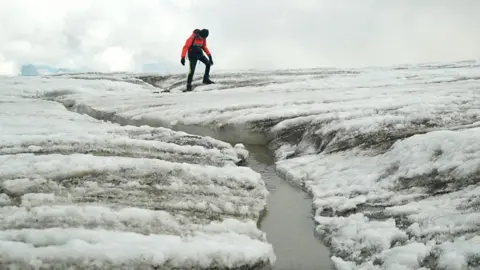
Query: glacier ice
x,y
390,155
76,191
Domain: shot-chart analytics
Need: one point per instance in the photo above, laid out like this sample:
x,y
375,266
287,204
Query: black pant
x,y
193,63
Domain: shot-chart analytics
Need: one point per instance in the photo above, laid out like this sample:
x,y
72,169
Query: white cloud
x,y
7,67
112,35
115,59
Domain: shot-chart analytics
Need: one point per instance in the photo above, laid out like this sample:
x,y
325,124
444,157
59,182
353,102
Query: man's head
x,y
203,33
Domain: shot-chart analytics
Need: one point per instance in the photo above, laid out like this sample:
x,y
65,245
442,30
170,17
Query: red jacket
x,y
195,42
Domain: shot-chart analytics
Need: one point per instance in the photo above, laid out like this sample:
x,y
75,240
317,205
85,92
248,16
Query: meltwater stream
x,y
288,221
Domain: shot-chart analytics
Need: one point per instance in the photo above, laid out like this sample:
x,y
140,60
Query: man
x,y
195,45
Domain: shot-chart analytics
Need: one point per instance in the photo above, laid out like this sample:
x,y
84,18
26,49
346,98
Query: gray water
x,y
288,222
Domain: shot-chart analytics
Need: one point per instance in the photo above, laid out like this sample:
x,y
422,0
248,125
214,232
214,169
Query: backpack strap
x,y
195,32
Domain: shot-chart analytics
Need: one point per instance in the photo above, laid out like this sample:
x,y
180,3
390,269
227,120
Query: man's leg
x,y
191,71
206,75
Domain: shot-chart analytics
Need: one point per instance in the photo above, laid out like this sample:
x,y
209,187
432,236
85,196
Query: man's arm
x,y
186,46
205,48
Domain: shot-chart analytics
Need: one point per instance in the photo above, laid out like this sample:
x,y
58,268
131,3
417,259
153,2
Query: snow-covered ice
x,y
77,191
390,155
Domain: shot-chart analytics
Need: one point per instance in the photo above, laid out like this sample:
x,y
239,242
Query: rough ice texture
x,y
390,155
79,192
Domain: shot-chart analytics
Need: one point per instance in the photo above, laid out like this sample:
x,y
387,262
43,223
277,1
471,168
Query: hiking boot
x,y
189,87
207,81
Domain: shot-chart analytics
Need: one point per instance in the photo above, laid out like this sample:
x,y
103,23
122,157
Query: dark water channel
x,y
288,221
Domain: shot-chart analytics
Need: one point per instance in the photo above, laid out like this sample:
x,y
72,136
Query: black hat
x,y
203,33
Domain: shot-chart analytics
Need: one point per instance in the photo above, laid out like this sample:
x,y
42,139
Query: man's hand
x,y
182,61
211,60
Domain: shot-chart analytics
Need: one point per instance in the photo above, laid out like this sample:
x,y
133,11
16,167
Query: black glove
x,y
182,61
211,60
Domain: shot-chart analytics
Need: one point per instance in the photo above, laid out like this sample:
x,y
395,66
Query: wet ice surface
x,y
390,155
76,191
288,222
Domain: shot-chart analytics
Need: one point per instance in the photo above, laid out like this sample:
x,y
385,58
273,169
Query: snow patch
x,y
79,192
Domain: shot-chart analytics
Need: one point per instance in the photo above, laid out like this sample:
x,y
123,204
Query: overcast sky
x,y
122,35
